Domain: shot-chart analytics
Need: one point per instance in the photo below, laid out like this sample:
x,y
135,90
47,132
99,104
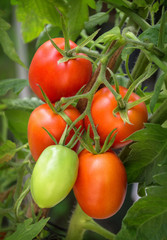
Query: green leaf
x,y
109,36
96,19
14,84
7,151
25,104
7,44
27,230
151,35
147,218
77,15
140,3
4,25
18,122
147,154
117,2
161,178
157,89
38,13
35,14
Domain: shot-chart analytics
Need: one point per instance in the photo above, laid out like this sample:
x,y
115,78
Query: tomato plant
x,y
57,79
43,117
116,79
103,116
53,175
101,184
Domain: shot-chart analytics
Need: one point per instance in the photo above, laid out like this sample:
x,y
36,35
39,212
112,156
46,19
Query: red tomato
x,y
102,113
57,79
101,184
2,235
43,116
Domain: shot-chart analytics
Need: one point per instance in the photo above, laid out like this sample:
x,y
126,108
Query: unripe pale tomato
x,y
101,184
54,175
57,79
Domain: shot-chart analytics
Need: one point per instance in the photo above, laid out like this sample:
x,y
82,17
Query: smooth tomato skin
x,y
43,116
57,79
101,184
54,175
102,113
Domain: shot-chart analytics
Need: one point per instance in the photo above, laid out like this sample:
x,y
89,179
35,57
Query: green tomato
x,y
54,175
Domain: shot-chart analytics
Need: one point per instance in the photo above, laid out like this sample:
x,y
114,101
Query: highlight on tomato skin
x,y
57,79
102,108
101,185
44,117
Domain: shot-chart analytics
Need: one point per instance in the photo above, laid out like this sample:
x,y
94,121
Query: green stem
x,y
160,115
20,177
95,227
21,147
135,17
140,66
156,60
4,127
85,36
80,222
127,69
86,51
65,33
148,46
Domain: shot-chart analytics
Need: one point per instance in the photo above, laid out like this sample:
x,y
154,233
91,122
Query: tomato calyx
x,y
73,141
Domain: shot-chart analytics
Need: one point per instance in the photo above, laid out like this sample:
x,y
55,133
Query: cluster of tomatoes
x,y
99,180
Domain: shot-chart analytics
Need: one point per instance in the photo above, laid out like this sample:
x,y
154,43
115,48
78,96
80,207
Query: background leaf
x,y
25,104
7,151
14,84
96,19
152,34
27,230
78,16
18,122
147,154
38,13
157,89
7,44
147,218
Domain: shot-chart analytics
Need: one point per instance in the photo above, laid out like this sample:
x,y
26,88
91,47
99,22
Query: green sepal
x,y
108,142
88,39
47,100
51,136
135,103
62,52
73,140
65,59
63,136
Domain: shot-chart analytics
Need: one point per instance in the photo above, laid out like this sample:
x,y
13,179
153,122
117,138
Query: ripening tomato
x,y
57,79
101,184
102,113
44,117
54,175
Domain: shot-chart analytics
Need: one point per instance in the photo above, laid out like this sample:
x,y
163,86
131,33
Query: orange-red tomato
x,y
102,113
44,117
101,184
57,79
